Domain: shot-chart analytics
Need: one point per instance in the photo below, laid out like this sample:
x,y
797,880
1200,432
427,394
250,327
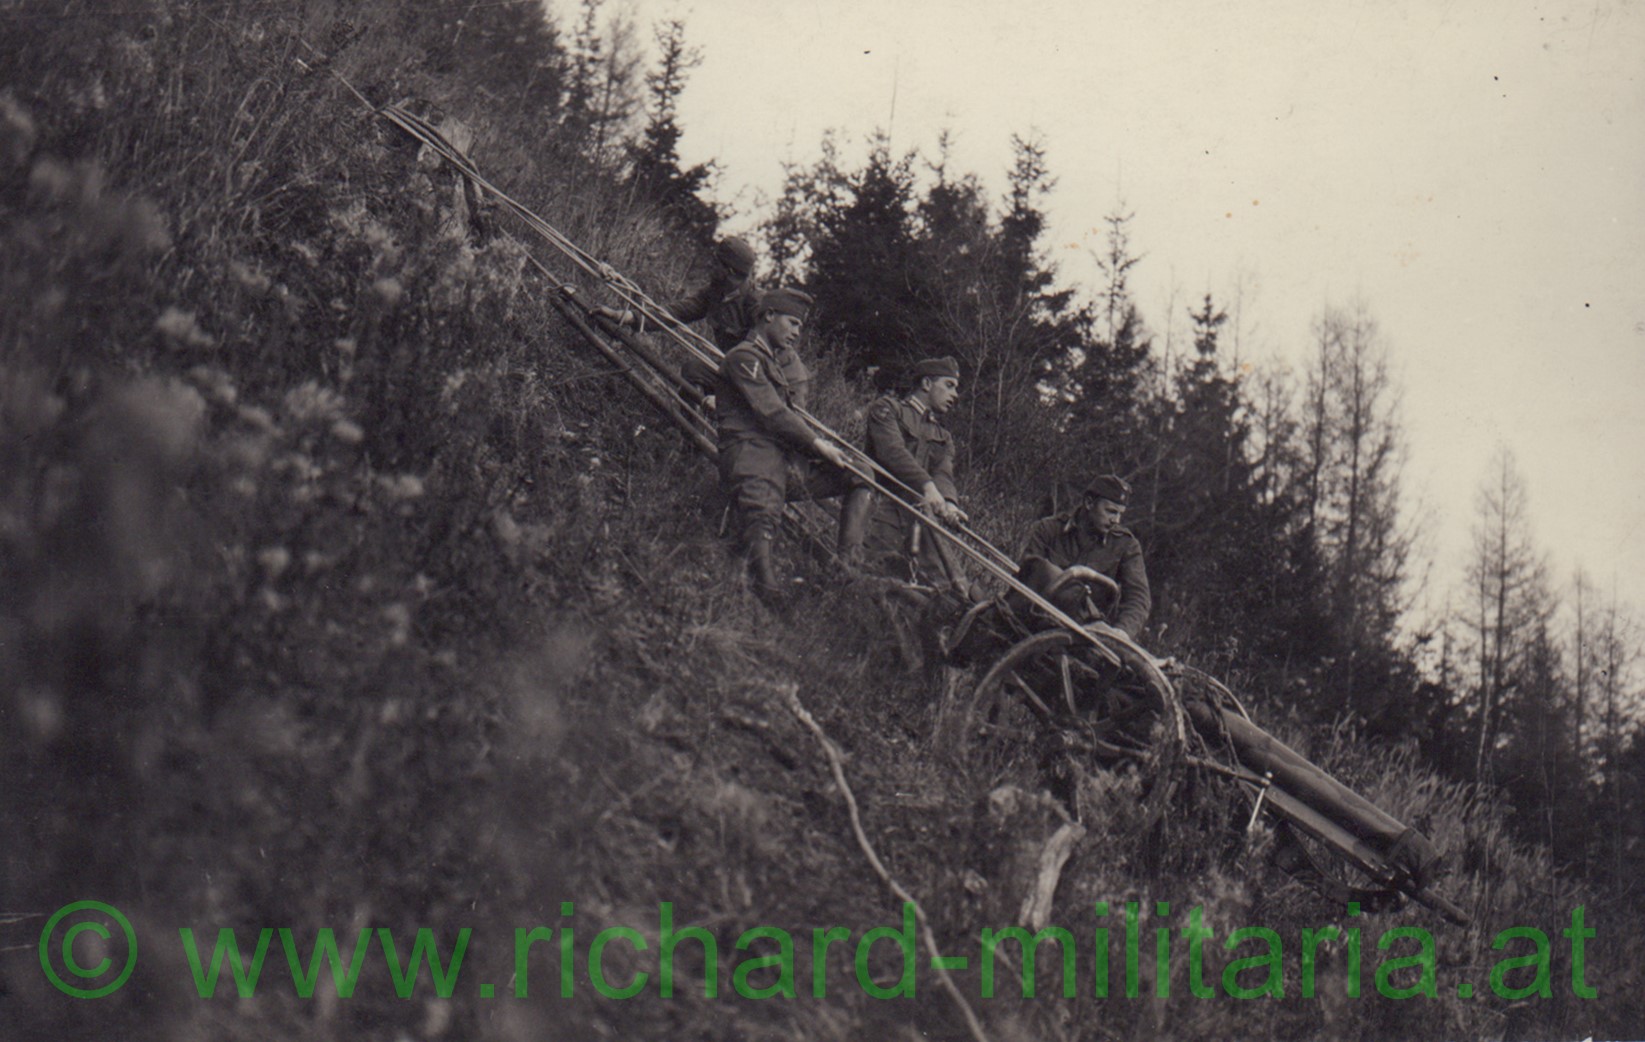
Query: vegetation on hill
x,y
345,589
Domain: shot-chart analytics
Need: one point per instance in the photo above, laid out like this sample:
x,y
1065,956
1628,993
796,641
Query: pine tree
x,y
1353,454
1203,519
993,297
655,171
1105,381
862,257
601,84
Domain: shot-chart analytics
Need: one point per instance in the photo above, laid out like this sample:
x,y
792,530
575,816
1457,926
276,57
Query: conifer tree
x,y
1510,610
655,171
862,258
601,84
1106,381
1354,451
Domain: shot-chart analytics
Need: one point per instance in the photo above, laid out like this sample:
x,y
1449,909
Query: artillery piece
x,y
1106,699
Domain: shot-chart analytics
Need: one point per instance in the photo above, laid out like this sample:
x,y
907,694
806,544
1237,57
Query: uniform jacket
x,y
909,441
756,398
1062,541
729,320
730,313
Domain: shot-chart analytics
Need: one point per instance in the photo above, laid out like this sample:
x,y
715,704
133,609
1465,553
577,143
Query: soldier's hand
x,y
952,514
830,452
931,500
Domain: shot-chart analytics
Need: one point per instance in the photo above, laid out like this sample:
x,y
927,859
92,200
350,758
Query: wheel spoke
x,y
1029,693
1067,679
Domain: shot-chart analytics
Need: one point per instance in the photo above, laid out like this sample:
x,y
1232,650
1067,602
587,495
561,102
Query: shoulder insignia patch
x,y
750,368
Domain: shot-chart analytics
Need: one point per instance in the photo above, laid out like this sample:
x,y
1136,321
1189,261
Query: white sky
x,y
1473,170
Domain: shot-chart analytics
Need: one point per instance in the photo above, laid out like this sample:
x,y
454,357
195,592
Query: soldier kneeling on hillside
x,y
768,452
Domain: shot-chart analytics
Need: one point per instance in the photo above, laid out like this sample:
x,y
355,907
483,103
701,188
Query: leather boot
x,y
855,513
760,568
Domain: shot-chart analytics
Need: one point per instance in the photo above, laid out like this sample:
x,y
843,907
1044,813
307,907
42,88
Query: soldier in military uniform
x,y
907,438
1091,535
727,301
768,453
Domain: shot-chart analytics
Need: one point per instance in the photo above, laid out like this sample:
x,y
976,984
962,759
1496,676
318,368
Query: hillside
x,y
346,589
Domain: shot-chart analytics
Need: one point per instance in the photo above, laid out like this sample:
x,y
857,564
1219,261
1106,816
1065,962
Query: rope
x,y
698,346
993,560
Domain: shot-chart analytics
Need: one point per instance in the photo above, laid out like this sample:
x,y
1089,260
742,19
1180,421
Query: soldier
x,y
907,438
1091,535
727,301
768,453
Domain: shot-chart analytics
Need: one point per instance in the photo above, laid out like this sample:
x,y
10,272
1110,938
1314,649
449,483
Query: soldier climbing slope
x,y
768,453
727,300
1091,535
907,438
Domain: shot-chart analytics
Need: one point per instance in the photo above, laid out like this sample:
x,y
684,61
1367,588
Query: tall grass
x,y
343,590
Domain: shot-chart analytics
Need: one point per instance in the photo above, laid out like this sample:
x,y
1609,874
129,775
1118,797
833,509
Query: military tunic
x,y
730,317
908,440
1064,542
765,445
729,310
730,314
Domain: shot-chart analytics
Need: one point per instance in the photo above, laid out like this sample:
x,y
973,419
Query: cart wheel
x,y
1100,697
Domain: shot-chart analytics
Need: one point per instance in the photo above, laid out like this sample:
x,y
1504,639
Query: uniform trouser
x,y
761,474
895,551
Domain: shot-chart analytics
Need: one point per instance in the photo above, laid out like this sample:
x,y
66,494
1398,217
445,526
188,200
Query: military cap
x,y
735,254
936,367
785,301
1111,487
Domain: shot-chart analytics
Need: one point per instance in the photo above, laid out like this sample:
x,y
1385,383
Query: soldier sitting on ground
x,y
1091,535
907,438
769,454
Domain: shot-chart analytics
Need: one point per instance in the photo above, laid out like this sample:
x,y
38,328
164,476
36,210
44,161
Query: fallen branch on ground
x,y
791,696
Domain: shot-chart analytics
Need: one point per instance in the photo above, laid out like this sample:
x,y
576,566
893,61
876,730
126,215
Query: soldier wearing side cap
x,y
727,301
768,452
1091,535
907,438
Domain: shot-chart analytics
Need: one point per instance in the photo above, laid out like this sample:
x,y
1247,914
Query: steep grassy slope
x,y
345,590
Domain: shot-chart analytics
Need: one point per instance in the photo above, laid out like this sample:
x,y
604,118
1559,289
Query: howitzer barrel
x,y
1291,772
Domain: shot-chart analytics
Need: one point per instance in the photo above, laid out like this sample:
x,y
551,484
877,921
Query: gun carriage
x,y
1095,694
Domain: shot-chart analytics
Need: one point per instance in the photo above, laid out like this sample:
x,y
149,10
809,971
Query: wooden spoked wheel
x,y
1099,695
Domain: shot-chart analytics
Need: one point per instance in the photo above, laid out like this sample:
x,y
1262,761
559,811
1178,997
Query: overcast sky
x,y
1473,171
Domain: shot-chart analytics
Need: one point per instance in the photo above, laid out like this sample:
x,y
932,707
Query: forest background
x,y
317,524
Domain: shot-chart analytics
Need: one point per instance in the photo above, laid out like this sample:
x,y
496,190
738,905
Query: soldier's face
x,y
943,392
1103,514
784,330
